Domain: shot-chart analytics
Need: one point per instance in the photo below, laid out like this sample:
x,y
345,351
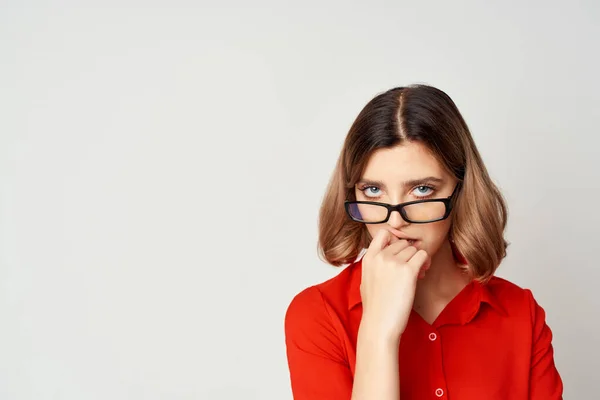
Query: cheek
x,y
373,228
435,234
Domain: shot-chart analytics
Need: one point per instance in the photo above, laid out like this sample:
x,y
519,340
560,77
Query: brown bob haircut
x,y
423,114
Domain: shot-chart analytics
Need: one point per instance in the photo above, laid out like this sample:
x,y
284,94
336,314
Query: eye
x,y
424,191
371,191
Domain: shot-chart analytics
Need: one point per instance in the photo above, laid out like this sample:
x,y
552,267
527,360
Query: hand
x,y
390,269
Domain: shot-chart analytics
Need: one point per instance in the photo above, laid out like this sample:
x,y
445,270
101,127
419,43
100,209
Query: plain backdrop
x,y
162,165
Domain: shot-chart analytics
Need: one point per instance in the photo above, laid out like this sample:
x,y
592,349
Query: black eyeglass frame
x,y
448,202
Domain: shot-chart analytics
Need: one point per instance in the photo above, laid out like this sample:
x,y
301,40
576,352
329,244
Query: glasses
x,y
416,212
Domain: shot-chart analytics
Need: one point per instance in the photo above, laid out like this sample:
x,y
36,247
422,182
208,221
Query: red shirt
x,y
490,342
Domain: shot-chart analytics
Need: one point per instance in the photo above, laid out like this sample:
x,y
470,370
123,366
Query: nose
x,y
396,221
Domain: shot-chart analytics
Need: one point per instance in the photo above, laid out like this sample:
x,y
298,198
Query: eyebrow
x,y
405,184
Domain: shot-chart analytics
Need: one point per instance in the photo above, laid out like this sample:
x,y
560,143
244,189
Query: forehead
x,y
408,160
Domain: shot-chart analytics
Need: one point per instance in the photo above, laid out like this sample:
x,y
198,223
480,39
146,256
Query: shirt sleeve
x,y
544,380
316,356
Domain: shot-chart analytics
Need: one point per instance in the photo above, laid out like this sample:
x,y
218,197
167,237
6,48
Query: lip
x,y
402,235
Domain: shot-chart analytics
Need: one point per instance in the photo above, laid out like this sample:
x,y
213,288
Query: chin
x,y
431,248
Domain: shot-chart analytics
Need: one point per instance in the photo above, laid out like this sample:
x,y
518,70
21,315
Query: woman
x,y
420,315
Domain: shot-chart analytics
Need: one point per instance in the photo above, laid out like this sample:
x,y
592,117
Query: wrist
x,y
377,336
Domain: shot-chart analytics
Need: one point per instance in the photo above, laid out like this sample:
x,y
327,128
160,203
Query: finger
x,y
407,253
418,259
427,264
397,247
380,241
425,267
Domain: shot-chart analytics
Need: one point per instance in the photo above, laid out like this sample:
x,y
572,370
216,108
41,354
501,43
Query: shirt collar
x,y
488,296
478,293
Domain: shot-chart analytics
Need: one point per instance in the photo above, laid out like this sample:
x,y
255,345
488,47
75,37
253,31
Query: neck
x,y
444,279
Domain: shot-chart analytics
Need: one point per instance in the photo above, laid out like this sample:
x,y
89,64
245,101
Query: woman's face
x,y
404,173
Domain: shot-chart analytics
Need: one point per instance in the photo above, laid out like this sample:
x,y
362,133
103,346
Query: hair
x,y
425,114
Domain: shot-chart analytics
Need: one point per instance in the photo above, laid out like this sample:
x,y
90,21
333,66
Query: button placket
x,y
433,337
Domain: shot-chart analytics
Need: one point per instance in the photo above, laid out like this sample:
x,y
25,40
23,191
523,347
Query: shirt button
x,y
432,336
439,392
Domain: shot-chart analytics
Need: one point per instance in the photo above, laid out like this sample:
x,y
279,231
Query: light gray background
x,y
162,165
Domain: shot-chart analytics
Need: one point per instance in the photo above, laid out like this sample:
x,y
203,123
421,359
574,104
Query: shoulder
x,y
319,301
514,299
506,290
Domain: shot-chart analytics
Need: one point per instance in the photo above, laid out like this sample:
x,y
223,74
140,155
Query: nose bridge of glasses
x,y
395,218
398,210
397,207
